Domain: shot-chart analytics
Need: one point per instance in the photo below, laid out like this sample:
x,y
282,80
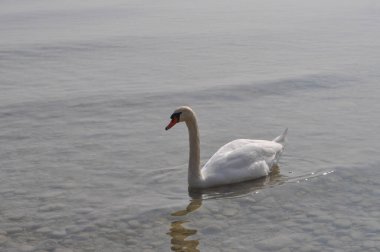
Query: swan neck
x,y
194,175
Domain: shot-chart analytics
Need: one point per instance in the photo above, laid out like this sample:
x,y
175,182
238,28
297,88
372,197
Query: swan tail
x,y
281,139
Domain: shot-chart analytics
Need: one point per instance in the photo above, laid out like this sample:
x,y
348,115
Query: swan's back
x,y
241,160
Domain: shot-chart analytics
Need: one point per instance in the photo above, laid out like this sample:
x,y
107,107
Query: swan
x,y
236,161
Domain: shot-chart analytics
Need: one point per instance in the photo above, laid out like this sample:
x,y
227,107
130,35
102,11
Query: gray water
x,y
87,88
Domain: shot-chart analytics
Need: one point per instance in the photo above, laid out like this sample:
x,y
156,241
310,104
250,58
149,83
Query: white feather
x,y
241,160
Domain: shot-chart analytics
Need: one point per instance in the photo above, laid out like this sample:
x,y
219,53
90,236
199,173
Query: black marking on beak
x,y
176,116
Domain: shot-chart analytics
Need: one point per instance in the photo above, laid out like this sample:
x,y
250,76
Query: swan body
x,y
236,161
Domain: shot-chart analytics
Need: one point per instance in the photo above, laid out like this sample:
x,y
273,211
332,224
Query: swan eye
x,y
176,115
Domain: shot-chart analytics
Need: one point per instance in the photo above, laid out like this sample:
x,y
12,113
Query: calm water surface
x,y
87,89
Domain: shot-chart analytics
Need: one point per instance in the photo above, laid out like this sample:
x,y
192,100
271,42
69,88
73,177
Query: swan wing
x,y
241,160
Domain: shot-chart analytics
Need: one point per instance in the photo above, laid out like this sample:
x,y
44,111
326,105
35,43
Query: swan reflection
x,y
181,235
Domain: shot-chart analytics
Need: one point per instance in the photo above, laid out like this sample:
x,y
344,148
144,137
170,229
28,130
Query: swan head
x,y
181,114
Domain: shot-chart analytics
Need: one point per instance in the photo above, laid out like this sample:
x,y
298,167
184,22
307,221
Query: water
x,y
87,89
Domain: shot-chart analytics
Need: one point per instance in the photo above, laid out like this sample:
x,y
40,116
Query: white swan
x,y
236,161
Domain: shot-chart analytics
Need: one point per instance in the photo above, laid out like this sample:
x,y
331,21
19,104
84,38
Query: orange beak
x,y
173,122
